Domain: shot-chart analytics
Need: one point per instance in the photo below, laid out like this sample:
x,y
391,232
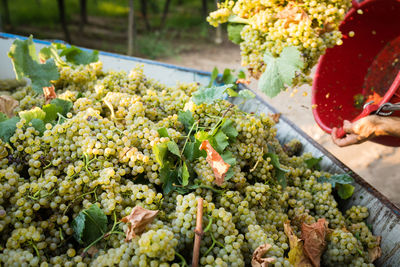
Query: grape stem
x,y
198,233
183,261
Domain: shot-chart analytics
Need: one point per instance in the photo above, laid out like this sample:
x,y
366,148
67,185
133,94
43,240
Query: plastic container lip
x,y
371,108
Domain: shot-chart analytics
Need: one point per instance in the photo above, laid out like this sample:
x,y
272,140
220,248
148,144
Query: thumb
x,y
348,126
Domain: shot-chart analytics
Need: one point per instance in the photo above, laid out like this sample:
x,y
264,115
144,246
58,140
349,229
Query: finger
x,y
348,126
350,139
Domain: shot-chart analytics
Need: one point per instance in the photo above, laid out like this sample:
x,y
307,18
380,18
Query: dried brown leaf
x,y
7,105
314,240
243,81
376,252
296,253
292,14
218,165
138,220
257,260
275,117
92,251
49,93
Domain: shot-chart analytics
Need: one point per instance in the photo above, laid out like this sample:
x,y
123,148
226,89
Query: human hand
x,y
359,131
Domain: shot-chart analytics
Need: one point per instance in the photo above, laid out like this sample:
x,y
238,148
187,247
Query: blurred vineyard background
x,y
161,28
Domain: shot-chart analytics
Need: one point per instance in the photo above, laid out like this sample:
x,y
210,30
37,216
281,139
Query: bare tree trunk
x,y
7,21
83,4
131,29
165,13
143,5
218,32
61,9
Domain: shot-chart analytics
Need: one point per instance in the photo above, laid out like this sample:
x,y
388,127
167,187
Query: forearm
x,y
389,126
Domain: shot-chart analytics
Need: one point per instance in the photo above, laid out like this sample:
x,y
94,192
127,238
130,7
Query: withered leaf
x,y
7,105
376,252
296,253
292,14
218,165
275,117
49,93
314,240
257,260
138,220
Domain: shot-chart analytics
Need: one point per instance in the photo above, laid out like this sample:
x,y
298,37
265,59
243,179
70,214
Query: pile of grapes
x,y
129,141
271,25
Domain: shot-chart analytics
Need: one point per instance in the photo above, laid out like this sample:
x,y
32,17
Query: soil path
x,y
377,164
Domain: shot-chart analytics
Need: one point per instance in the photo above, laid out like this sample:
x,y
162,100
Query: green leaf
x,y
186,118
228,77
173,148
219,141
64,104
26,64
241,75
89,225
210,95
51,52
228,158
213,77
232,93
246,94
160,152
336,179
185,174
279,171
234,31
202,136
35,113
345,191
169,177
280,71
229,129
38,125
7,128
192,151
51,111
313,163
78,56
3,117
163,132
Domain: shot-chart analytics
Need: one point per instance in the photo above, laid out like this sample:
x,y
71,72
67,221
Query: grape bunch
x,y
271,25
100,157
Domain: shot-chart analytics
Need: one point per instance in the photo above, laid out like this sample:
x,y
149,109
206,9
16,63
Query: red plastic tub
x,y
365,64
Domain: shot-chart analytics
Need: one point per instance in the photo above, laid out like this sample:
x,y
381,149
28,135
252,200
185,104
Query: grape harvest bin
x,y
384,216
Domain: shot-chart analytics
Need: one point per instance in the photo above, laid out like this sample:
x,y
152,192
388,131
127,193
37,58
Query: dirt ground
x,y
377,164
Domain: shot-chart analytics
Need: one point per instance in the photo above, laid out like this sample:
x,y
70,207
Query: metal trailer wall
x,y
384,216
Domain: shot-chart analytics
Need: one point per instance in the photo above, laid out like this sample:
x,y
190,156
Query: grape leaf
x,y
228,77
246,94
39,125
219,141
3,117
202,135
160,152
7,128
89,225
228,158
279,171
232,93
313,163
345,191
184,174
168,177
213,77
173,148
192,150
234,31
26,64
229,129
314,240
186,118
78,56
259,260
280,71
210,95
214,159
64,104
163,132
35,113
296,255
51,112
336,179
51,52
138,219
241,75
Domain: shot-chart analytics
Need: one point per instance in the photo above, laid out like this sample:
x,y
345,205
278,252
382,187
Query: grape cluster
x,y
270,26
102,153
